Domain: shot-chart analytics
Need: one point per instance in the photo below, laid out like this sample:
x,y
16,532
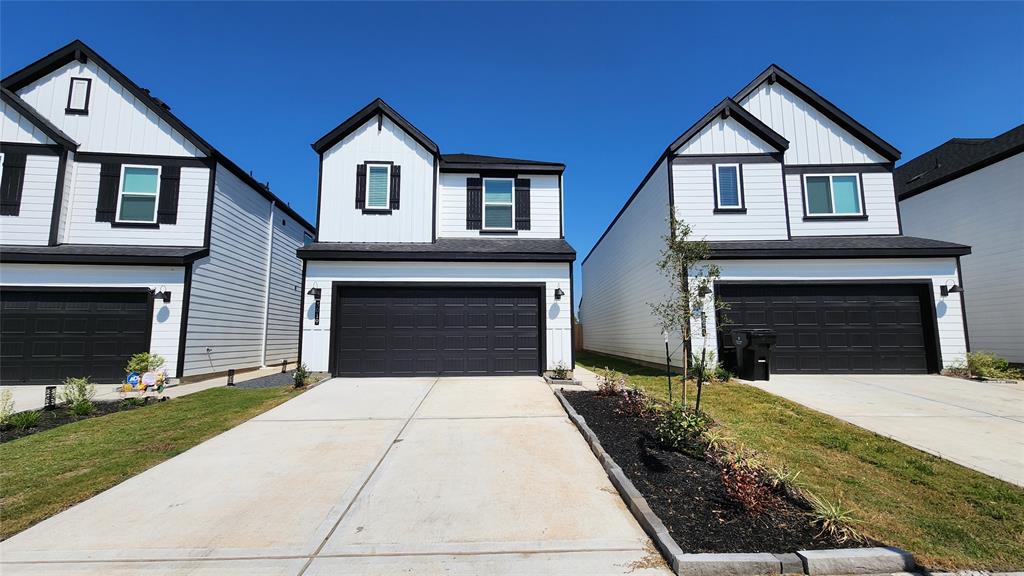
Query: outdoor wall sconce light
x,y
315,293
559,293
950,288
162,294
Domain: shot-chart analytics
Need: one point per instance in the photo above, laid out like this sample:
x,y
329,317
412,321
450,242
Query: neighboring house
x,y
971,191
123,231
431,264
796,200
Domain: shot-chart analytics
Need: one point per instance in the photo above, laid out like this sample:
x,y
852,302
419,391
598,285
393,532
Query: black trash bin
x,y
741,341
753,352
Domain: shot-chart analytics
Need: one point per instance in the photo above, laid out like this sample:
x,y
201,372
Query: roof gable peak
x,y
729,108
377,107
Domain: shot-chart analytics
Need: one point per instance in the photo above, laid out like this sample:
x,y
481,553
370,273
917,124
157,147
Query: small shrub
x,y
636,403
706,367
77,391
24,420
716,441
611,383
144,362
747,484
133,402
834,520
301,376
6,406
83,408
722,374
783,479
988,365
561,372
682,428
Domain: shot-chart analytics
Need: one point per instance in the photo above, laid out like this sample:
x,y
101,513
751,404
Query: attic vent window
x,y
78,96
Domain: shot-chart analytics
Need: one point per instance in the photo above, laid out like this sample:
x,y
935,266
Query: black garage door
x,y
420,331
46,336
850,328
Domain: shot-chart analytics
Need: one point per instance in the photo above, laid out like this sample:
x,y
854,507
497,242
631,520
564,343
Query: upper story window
x,y
498,205
832,195
378,180
728,193
78,96
137,194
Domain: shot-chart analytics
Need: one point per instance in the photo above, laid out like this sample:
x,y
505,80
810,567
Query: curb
x,y
810,562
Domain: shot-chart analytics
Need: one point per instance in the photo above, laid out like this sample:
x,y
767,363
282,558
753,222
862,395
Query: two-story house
x,y
123,231
428,263
796,201
971,190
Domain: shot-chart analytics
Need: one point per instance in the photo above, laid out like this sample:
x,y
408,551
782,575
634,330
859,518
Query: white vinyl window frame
x,y
718,188
1,167
156,196
387,184
832,195
511,202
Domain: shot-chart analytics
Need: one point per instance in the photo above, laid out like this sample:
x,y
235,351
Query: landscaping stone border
x,y
556,381
809,562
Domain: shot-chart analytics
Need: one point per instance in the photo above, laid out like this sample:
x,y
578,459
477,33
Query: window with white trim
x,y
498,204
138,193
832,195
1,167
78,96
727,194
378,186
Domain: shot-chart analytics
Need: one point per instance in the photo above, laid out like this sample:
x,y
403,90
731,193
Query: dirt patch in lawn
x,y
687,492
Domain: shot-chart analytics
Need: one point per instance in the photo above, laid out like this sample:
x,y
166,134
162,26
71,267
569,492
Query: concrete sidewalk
x,y
363,476
979,425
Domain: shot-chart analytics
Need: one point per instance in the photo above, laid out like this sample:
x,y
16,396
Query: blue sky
x,y
602,88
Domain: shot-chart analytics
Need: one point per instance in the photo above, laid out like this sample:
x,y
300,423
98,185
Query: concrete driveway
x,y
367,476
976,424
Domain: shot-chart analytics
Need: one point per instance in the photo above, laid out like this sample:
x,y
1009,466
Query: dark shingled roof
x,y
102,254
837,247
40,121
469,249
466,162
957,157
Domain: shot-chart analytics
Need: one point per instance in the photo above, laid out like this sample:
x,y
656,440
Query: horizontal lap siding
x,y
15,128
32,224
554,275
879,205
166,316
285,292
765,218
188,231
227,310
984,210
545,207
621,278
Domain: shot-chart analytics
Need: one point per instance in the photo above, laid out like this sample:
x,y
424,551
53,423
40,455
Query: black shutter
x,y
522,203
474,203
360,186
396,185
167,211
106,201
11,184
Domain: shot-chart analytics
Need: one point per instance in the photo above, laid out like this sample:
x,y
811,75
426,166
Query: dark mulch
x,y
279,379
61,415
687,493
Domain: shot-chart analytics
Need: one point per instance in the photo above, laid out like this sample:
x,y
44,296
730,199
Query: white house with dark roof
x,y
427,264
971,191
123,231
796,200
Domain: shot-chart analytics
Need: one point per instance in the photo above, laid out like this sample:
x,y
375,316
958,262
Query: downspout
x,y
266,292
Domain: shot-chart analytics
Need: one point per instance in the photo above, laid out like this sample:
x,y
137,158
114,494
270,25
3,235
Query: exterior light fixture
x,y
559,293
950,287
315,293
50,399
162,294
231,376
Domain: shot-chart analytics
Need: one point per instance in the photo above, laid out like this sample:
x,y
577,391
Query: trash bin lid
x,y
741,338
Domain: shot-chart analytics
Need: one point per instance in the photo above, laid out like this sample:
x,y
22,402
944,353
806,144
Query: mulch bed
x,y
687,493
61,415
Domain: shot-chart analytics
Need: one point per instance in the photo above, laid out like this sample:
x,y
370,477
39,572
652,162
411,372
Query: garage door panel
x,y
437,330
836,328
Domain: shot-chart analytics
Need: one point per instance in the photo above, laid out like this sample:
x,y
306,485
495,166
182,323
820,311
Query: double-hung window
x,y
498,205
138,194
378,186
727,194
832,195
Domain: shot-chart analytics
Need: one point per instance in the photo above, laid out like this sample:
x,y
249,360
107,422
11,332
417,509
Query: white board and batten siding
x,y
166,316
621,279
545,207
32,224
813,137
939,271
285,296
340,221
724,136
983,210
17,129
765,218
189,230
554,275
117,122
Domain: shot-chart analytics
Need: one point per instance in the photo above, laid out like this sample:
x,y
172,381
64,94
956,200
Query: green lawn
x,y
44,473
950,517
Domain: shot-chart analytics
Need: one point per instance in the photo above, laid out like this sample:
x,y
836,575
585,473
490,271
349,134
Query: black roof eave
x,y
378,106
